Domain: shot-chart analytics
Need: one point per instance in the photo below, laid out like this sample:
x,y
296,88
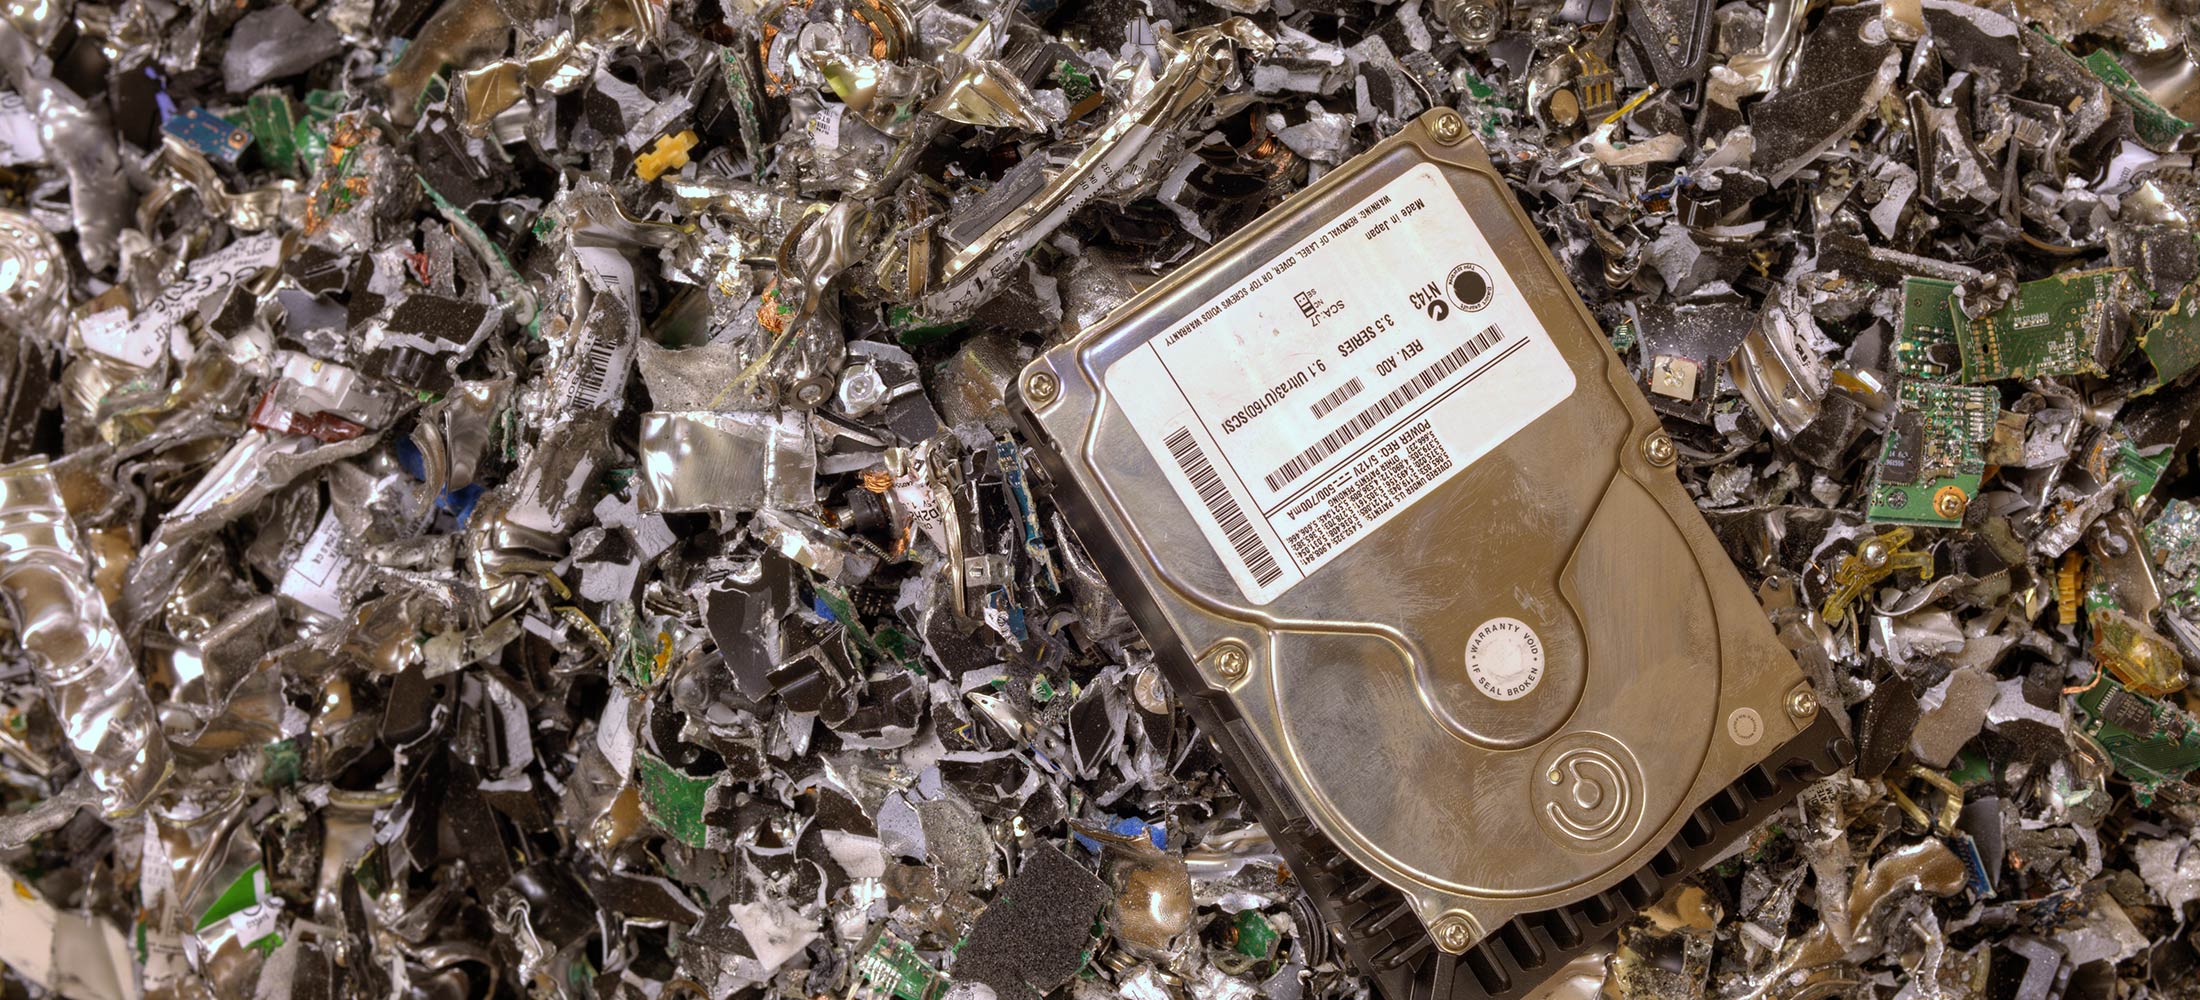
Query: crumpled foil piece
x,y
79,654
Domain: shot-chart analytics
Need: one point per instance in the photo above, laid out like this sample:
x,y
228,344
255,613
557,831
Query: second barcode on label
x,y
1225,508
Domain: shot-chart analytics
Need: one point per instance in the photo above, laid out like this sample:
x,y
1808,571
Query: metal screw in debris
x,y
1473,22
1874,553
1659,450
1949,502
1448,127
1452,933
810,393
1477,24
1803,703
1040,387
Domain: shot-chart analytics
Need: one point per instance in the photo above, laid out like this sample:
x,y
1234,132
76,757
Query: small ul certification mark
x,y
1470,286
1589,793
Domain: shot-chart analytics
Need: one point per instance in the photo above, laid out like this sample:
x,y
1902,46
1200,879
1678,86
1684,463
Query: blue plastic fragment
x,y
1974,866
458,503
1129,826
161,100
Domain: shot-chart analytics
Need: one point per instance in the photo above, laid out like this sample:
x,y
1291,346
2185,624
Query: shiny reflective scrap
x,y
89,678
730,462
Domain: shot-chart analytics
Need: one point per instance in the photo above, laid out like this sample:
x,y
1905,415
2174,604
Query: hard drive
x,y
1406,539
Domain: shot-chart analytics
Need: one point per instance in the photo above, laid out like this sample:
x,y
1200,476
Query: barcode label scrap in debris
x,y
1453,360
1228,515
1337,397
601,373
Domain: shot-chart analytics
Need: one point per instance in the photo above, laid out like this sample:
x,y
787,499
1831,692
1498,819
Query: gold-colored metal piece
x,y
1873,561
1658,448
1951,800
1949,502
1803,703
1593,84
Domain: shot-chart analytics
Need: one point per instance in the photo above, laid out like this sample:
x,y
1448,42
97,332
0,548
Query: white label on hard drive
x,y
1341,381
1505,658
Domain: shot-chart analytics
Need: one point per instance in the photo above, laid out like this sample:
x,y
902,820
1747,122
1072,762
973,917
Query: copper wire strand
x,y
2098,672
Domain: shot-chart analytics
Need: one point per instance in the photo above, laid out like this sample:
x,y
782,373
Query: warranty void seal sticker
x,y
1505,658
1471,286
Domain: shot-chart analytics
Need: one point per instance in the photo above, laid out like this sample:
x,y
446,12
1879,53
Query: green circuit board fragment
x,y
674,800
2116,455
2052,326
1926,347
2172,341
1931,462
2151,743
2157,126
891,969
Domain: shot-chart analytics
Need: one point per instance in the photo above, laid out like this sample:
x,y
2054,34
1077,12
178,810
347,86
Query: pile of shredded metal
x,y
513,497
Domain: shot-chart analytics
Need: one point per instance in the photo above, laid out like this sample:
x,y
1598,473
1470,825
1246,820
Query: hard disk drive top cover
x,y
1390,490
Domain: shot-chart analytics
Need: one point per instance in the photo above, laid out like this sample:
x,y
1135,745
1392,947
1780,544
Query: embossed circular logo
x,y
1505,658
1591,790
1471,286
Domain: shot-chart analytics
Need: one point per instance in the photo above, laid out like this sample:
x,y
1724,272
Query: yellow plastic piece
x,y
669,152
1873,561
2066,588
2138,656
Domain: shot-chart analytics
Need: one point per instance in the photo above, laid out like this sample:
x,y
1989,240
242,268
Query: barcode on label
x,y
1337,397
592,389
1457,358
1231,517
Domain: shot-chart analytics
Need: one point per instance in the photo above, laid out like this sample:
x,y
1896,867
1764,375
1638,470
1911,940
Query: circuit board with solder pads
x,y
2150,742
891,969
1926,345
1930,465
2172,341
2052,326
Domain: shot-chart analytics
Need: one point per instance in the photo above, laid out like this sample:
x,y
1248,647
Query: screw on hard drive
x,y
1803,703
1040,388
1659,450
1453,933
1448,128
1232,661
